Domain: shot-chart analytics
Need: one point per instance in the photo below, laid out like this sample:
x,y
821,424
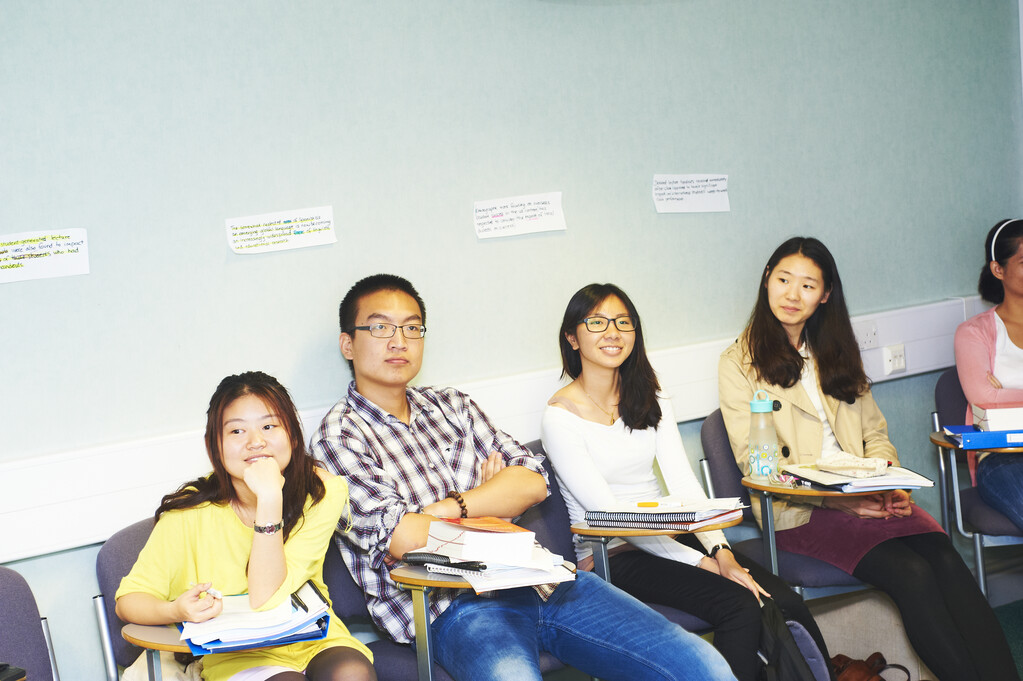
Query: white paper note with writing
x,y
691,193
41,255
281,231
518,215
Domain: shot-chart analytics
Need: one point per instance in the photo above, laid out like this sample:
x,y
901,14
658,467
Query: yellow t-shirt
x,y
209,543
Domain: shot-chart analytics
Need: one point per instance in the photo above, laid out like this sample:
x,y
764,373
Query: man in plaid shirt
x,y
412,455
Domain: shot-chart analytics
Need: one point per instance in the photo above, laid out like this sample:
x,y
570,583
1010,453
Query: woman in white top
x,y
989,357
608,433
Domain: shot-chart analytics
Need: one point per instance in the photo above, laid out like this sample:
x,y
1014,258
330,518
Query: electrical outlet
x,y
894,359
866,334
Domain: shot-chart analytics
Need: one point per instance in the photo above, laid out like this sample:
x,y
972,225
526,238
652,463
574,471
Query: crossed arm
x,y
506,491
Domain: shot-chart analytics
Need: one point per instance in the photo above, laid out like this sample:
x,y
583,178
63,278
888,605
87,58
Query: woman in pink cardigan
x,y
989,357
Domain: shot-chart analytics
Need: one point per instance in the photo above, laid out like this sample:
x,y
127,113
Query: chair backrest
x,y
22,640
114,561
726,478
949,400
346,598
549,519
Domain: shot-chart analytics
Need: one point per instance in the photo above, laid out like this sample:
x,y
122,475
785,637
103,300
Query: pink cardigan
x,y
975,358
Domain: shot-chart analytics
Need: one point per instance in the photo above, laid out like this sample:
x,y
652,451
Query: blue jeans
x,y
587,624
1000,483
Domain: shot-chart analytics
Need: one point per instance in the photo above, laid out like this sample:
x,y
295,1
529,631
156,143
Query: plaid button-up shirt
x,y
394,469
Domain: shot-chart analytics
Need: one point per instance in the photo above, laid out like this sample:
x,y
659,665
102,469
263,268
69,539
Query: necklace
x,y
610,414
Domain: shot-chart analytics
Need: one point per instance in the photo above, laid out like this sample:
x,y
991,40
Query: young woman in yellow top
x,y
260,524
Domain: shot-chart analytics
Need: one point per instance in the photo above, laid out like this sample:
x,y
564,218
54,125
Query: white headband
x,y
997,232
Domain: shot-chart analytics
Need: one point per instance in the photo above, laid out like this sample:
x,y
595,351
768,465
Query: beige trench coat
x,y
859,427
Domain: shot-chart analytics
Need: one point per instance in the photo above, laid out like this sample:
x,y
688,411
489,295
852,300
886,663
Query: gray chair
x,y
974,519
810,577
115,560
24,635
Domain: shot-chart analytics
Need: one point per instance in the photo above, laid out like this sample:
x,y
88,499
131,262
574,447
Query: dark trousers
x,y
729,608
947,619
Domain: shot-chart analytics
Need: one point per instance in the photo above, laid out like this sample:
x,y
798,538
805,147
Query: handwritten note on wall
x,y
691,193
281,231
518,215
41,255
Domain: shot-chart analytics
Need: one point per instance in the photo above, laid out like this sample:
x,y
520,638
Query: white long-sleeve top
x,y
598,466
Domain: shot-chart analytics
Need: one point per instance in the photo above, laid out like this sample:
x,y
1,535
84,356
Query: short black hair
x,y
348,310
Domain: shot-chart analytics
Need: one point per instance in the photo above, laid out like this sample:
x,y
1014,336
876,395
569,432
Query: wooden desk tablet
x,y
154,638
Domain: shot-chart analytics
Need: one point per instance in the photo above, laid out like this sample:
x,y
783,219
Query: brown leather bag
x,y
848,669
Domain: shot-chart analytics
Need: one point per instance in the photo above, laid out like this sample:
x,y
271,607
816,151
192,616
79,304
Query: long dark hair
x,y
300,478
828,332
637,382
1006,245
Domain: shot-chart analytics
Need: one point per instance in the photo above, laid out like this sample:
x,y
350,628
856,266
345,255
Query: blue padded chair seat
x,y
979,514
812,572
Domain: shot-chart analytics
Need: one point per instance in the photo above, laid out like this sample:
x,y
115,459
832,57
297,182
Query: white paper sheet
x,y
281,231
41,255
518,215
691,193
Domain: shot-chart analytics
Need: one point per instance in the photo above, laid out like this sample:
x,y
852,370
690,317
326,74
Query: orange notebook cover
x,y
486,524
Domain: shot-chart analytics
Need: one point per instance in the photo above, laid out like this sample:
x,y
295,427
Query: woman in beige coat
x,y
800,348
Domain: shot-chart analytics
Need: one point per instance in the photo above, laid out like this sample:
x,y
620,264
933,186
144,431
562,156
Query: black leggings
x,y
947,619
729,608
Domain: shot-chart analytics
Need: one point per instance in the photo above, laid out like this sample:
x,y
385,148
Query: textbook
x,y
303,617
1005,417
664,510
894,478
640,523
969,437
490,540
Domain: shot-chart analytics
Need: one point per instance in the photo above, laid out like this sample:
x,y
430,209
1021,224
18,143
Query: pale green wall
x,y
889,129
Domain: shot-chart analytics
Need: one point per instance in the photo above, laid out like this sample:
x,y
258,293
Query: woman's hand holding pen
x,y
198,604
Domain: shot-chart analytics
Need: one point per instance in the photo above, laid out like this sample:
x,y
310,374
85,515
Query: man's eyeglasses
x,y
598,324
382,330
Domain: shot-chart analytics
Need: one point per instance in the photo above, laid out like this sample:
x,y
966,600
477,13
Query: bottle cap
x,y
761,405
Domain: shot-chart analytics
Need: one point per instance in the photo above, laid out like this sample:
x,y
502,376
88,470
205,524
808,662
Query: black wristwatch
x,y
718,547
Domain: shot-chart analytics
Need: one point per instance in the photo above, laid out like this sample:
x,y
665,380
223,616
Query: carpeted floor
x,y
1011,617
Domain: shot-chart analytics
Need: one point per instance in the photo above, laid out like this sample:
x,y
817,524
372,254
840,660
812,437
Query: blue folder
x,y
970,437
284,639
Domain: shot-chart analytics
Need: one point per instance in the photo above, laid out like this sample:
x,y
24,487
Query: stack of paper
x,y
667,514
303,617
511,561
895,478
998,417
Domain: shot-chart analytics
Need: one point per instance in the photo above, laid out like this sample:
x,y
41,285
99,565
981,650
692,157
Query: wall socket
x,y
894,358
866,334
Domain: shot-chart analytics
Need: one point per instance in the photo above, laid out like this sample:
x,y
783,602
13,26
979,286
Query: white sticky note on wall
x,y
281,231
691,193
518,215
41,255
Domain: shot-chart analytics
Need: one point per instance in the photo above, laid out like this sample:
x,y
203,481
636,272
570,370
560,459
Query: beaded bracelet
x,y
461,502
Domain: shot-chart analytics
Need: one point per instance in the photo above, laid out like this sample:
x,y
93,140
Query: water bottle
x,y
763,441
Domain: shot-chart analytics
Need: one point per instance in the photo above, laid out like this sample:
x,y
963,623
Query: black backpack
x,y
783,660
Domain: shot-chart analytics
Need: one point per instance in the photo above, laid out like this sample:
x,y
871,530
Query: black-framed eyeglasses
x,y
382,330
598,324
